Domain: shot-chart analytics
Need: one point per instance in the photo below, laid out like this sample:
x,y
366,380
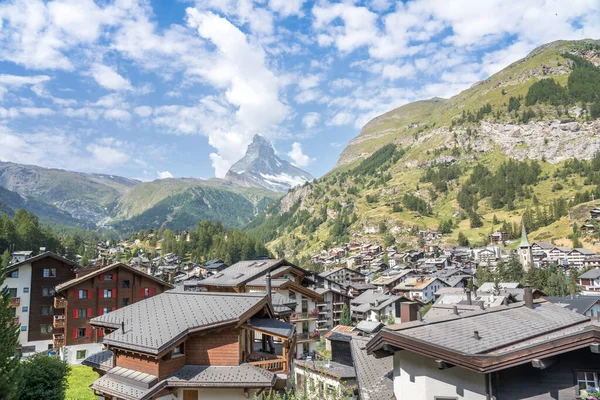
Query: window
x,y
12,292
107,293
146,292
178,351
81,354
23,328
586,380
83,294
47,310
14,274
108,277
48,292
82,313
24,308
125,301
25,290
106,310
49,272
126,284
45,328
81,332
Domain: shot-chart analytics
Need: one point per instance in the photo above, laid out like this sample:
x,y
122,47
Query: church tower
x,y
525,254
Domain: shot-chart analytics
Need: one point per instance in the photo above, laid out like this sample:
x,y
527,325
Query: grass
x,y
80,379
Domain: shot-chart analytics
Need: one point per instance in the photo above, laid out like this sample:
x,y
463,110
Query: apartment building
x,y
95,292
31,284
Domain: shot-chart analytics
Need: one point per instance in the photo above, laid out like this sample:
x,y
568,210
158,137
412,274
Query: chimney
x,y
528,296
476,335
122,326
409,311
268,288
455,310
469,301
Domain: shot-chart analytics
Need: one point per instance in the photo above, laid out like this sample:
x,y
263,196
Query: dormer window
x,y
179,350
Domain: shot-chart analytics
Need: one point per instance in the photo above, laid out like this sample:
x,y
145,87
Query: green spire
x,y
524,240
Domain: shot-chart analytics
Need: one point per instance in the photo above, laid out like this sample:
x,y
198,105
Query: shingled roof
x,y
242,272
375,376
154,324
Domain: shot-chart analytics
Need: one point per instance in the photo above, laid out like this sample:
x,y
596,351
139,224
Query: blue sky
x,y
150,89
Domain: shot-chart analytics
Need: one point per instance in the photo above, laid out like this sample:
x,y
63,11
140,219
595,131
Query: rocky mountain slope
x,y
261,168
460,165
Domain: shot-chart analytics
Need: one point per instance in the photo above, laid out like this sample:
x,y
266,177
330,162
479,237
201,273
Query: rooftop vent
x,y
238,276
219,275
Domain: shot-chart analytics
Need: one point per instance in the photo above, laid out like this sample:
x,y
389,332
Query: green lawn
x,y
79,383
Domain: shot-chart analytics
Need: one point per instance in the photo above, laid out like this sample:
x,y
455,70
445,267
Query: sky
x,y
158,89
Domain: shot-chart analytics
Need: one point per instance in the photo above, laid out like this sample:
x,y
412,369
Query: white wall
x,y
418,378
69,353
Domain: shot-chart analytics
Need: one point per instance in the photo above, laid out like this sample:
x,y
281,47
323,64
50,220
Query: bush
x,y
43,377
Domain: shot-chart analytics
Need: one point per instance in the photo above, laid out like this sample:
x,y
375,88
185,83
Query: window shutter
x,y
142,292
76,294
113,309
74,333
100,311
100,294
150,292
75,313
113,293
89,313
101,277
88,332
115,277
90,293
99,332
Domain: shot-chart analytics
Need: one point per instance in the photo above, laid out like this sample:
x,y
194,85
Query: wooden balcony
x,y
308,337
58,322
14,302
304,316
14,321
278,364
60,302
58,340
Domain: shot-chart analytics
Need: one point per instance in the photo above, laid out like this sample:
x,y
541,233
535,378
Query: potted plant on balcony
x,y
590,394
315,335
294,314
315,312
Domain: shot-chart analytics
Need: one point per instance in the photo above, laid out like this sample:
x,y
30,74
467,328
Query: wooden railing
x,y
307,337
275,365
14,302
58,322
303,315
60,302
58,340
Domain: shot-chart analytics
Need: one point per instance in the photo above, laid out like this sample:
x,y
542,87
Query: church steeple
x,y
525,252
524,240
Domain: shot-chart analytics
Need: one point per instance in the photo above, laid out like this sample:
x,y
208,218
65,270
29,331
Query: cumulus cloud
x,y
300,159
143,111
163,175
107,155
341,118
311,119
109,78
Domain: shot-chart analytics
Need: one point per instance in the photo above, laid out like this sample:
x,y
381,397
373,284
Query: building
x,y
373,305
525,252
330,309
213,267
498,237
93,293
192,345
344,276
529,350
422,288
591,262
589,282
20,256
286,279
31,284
390,278
576,257
585,305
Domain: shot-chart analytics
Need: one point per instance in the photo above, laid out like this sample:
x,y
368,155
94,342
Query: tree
x,y
514,270
345,318
462,239
557,285
9,340
43,377
390,319
572,283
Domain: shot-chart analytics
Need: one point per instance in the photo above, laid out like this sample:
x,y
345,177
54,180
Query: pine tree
x,y
345,318
9,340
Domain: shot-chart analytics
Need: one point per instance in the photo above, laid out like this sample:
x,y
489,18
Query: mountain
x,y
520,145
261,168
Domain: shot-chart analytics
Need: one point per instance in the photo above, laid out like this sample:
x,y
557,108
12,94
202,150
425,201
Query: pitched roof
x,y
524,240
591,274
375,376
583,251
578,304
340,329
73,282
331,368
369,326
40,257
154,324
419,283
244,271
274,326
103,360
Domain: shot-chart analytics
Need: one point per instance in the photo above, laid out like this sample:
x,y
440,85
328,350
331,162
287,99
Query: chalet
x,y
585,305
433,263
391,278
430,235
192,345
330,309
486,255
373,305
285,278
422,288
577,257
343,275
527,350
91,294
462,301
356,289
212,267
31,284
20,256
589,282
497,237
595,214
591,262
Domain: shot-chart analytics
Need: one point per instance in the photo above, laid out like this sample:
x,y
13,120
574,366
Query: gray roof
x,y
583,251
360,285
331,368
591,274
244,375
152,325
125,383
274,326
498,327
369,327
242,272
30,260
103,360
545,245
377,304
375,376
578,304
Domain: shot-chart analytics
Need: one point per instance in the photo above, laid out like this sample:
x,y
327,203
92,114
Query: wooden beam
x,y
543,363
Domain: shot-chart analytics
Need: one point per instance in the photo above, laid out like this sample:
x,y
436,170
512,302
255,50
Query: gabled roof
x,y
591,274
524,240
331,368
583,251
244,271
578,304
73,282
40,257
155,324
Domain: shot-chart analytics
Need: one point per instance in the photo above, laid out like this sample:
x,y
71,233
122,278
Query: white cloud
x,y
109,78
286,7
163,174
116,114
300,159
311,119
341,118
143,111
107,155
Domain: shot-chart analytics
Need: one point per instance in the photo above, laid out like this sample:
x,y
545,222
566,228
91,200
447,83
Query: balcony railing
x,y
60,302
14,302
58,322
58,340
304,316
278,364
308,337
14,321
324,304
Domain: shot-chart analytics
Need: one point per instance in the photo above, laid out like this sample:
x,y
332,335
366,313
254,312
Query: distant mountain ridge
x,y
262,168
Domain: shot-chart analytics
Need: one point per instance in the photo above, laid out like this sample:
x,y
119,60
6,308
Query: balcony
x,y
60,302
58,340
58,322
304,316
323,304
272,364
14,321
14,302
308,337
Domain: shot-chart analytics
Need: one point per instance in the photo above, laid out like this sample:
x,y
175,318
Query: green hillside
x,y
497,153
